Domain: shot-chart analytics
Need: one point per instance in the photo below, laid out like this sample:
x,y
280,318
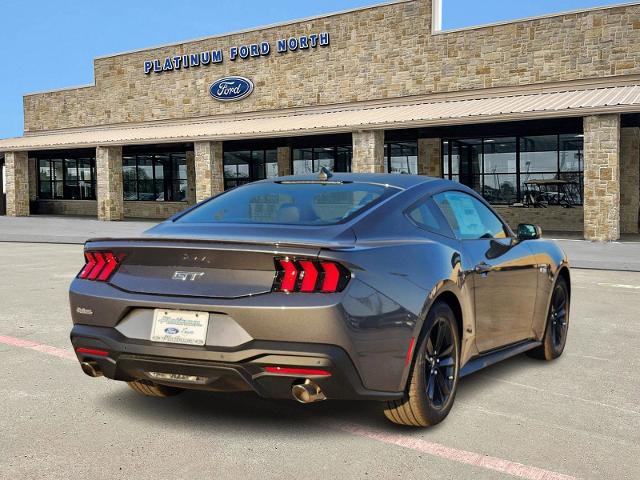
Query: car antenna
x,y
325,174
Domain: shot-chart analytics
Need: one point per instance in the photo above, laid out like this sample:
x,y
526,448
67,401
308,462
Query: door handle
x,y
483,268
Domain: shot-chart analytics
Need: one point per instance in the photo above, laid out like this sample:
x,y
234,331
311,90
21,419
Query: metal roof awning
x,y
576,102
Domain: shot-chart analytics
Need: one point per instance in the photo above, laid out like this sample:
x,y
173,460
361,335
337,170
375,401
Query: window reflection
x,y
507,170
244,166
500,166
67,177
401,157
155,177
311,159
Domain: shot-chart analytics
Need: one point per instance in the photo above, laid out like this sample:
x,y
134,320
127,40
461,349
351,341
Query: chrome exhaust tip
x,y
91,368
307,392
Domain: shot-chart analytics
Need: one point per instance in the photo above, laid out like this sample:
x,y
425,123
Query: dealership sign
x,y
243,52
230,89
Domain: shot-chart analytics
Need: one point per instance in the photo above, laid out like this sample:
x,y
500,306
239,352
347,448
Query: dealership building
x,y
541,116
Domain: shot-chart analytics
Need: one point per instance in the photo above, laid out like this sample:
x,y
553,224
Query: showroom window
x,y
245,166
157,177
401,157
526,169
66,178
312,159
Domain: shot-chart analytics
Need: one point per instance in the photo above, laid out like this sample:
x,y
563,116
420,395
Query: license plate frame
x,y
181,327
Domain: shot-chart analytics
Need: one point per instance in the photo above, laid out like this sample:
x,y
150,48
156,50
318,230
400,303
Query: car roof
x,y
392,179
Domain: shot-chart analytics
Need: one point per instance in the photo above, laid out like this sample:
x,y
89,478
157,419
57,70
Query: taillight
x,y
99,266
92,351
304,372
309,276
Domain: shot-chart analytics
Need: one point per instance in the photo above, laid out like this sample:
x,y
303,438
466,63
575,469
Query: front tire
x,y
555,336
150,389
433,380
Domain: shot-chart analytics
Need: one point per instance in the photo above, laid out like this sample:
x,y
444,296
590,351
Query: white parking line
x,y
564,395
619,285
460,456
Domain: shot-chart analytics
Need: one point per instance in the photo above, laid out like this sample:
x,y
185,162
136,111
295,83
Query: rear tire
x,y
555,335
150,389
433,380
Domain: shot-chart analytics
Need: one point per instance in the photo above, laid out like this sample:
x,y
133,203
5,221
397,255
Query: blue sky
x,y
49,44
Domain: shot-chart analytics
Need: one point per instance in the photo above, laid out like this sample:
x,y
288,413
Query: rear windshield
x,y
289,203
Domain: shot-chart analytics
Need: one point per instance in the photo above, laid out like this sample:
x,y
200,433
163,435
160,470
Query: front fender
x,y
551,259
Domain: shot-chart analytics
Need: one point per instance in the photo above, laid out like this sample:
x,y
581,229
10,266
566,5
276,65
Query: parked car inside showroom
x,y
325,286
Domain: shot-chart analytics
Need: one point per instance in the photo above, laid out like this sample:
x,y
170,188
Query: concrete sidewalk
x,y
623,256
65,229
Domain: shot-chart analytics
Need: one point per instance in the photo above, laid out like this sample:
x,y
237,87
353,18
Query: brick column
x,y
17,171
109,183
629,179
209,169
33,179
368,152
284,161
430,157
191,177
602,177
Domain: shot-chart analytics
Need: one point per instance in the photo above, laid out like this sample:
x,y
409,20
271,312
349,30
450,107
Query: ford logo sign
x,y
171,331
230,89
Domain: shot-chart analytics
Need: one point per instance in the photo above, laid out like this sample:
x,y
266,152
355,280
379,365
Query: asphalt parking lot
x,y
578,417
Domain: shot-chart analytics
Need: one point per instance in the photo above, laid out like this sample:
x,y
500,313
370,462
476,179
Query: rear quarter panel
x,y
402,269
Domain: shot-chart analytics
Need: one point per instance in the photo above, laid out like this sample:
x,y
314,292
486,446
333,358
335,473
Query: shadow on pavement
x,y
247,411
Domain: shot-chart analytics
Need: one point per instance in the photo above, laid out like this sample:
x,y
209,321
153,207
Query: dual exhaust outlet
x,y
92,369
307,392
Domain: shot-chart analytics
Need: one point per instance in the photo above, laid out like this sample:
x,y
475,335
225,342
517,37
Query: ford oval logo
x,y
230,89
171,331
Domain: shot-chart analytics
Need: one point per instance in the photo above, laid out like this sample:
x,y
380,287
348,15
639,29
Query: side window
x,y
469,218
424,216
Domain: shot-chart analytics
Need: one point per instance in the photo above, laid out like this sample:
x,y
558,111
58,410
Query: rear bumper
x,y
230,370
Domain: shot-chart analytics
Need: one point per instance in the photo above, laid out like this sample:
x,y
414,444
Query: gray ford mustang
x,y
344,286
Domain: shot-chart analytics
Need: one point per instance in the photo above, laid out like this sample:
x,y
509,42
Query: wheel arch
x,y
451,298
566,275
453,302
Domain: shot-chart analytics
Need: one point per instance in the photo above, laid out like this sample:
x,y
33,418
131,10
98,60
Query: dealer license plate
x,y
177,326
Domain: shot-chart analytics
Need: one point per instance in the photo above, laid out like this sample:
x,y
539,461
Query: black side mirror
x,y
528,231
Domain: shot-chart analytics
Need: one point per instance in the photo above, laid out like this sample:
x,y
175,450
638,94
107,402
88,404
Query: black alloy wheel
x,y
440,363
557,328
558,317
433,378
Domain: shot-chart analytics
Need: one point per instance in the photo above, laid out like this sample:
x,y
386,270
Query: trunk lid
x,y
205,262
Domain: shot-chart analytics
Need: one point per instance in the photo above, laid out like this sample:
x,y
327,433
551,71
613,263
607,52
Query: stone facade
x,y
33,180
152,210
109,183
155,210
368,152
191,175
629,179
376,53
209,169
430,157
17,173
284,161
551,219
602,177
67,207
